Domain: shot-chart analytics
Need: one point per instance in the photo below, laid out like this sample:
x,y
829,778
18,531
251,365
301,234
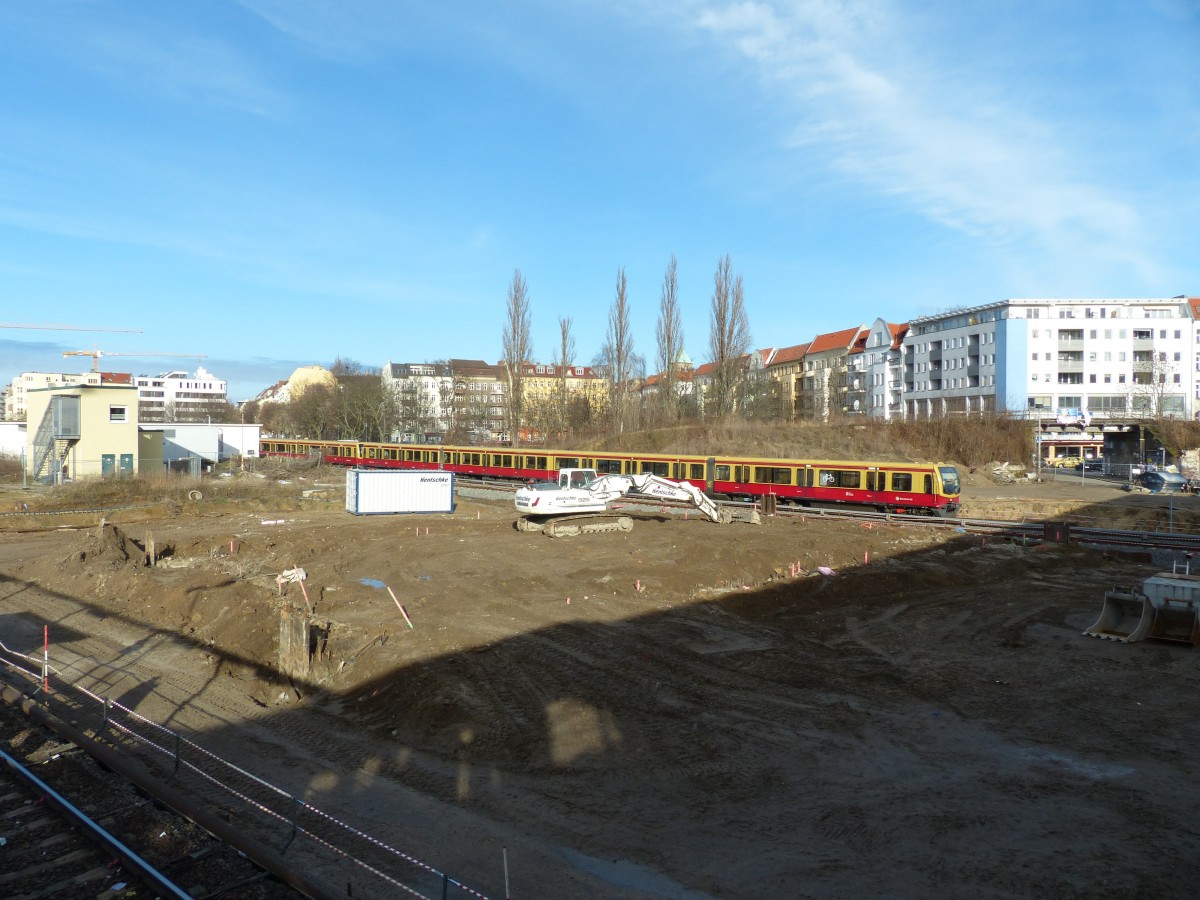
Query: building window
x,y
116,414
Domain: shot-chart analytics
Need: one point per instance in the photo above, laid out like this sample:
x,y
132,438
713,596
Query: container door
x,y
126,463
108,464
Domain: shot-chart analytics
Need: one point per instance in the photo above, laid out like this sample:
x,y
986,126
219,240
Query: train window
x,y
844,478
772,475
608,466
696,471
474,459
722,473
568,462
875,481
445,457
902,481
505,461
630,467
741,474
536,462
676,471
928,483
656,468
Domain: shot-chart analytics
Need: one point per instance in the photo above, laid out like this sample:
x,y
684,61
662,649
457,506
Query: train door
x,y
710,474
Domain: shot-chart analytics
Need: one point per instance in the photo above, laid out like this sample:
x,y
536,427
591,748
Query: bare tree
x,y
1156,392
729,335
518,349
618,350
670,339
363,409
566,358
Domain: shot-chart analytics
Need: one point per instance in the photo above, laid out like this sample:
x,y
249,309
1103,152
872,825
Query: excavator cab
x,y
576,478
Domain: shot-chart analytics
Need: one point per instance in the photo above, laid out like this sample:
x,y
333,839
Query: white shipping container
x,y
382,491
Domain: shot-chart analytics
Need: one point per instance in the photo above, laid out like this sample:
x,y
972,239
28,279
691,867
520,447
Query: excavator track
x,y
571,526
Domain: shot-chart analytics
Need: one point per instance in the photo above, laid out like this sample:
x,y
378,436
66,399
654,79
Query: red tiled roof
x,y
116,378
1194,306
834,340
790,354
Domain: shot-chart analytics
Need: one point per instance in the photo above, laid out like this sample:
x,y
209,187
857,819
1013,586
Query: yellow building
x,y
80,431
541,387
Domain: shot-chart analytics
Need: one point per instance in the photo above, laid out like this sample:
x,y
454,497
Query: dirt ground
x,y
689,710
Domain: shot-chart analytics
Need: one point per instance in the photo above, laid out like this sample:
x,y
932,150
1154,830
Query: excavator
x,y
578,501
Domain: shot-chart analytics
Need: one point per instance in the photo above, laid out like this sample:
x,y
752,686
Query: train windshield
x,y
949,479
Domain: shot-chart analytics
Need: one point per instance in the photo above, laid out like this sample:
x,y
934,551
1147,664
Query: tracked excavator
x,y
578,502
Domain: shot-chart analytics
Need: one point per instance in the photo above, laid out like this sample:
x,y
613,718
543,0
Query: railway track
x,y
1182,542
69,827
264,842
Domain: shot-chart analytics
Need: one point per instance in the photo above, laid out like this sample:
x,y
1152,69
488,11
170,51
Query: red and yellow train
x,y
930,488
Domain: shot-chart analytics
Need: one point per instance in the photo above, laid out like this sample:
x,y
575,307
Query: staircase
x,y
57,433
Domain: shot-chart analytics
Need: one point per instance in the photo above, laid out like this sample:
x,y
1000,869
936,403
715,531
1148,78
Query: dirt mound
x,y
108,547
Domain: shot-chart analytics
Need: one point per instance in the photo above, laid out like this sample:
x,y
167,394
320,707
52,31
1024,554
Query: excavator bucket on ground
x,y
1121,617
1167,608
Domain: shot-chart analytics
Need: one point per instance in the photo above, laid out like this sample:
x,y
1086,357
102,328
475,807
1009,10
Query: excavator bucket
x,y
1126,617
1167,608
1175,622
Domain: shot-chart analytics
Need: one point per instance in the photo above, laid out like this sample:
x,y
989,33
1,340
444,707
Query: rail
x,y
1027,531
300,820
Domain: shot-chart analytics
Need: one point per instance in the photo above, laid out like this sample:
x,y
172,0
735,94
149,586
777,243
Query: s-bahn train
x,y
929,488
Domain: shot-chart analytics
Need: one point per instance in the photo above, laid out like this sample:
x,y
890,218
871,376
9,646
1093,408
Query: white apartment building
x,y
179,397
15,396
424,394
883,365
1108,358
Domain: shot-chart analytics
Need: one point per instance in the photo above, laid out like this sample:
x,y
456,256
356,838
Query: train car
x,y
930,488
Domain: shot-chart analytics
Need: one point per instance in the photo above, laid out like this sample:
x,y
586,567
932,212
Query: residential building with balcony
x,y
883,363
1115,358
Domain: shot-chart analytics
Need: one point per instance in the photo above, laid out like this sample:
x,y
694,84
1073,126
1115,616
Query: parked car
x,y
1093,465
1163,482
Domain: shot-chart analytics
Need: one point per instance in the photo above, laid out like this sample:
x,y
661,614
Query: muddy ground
x,y
687,710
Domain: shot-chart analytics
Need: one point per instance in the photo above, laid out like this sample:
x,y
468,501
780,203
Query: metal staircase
x,y
57,433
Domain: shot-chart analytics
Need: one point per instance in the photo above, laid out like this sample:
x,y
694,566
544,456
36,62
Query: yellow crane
x,y
96,354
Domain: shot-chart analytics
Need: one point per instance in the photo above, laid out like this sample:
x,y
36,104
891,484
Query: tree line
x,y
360,406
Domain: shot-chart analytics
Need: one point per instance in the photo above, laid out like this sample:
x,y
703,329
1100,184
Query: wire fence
x,y
298,819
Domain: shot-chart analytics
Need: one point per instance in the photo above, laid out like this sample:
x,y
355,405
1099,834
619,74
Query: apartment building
x,y
883,364
179,397
1115,358
16,399
424,395
826,376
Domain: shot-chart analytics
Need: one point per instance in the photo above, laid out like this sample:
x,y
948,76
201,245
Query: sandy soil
x,y
688,710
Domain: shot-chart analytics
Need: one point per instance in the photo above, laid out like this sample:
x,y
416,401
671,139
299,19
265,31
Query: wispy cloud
x,y
182,66
878,100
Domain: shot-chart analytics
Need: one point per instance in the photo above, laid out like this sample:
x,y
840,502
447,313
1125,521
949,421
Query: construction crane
x,y
65,328
96,354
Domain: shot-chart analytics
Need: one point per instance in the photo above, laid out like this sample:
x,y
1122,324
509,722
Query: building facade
x,y
15,396
179,397
77,431
883,362
1126,358
424,396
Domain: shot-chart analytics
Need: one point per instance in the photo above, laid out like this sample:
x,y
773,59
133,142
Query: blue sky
x,y
272,183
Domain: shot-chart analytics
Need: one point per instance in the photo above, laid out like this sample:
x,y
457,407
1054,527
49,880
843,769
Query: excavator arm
x,y
609,487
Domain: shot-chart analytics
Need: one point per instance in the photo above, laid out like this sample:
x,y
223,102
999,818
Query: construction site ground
x,y
688,710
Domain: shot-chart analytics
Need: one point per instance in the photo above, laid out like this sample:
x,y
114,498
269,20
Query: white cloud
x,y
880,101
